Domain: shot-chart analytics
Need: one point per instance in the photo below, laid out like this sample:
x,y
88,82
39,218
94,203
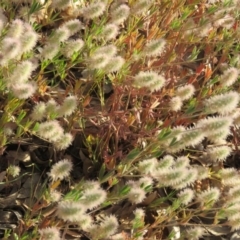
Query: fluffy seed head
x,y
191,177
60,4
91,185
219,137
223,103
165,162
172,177
108,226
223,19
28,39
55,196
49,233
181,162
139,213
175,104
60,35
93,198
192,137
140,6
186,196
214,125
204,29
52,109
203,172
22,72
114,64
119,236
68,107
162,166
49,51
85,222
145,182
23,90
98,61
73,26
155,47
234,224
10,49
72,46
70,211
218,154
94,10
109,31
16,29
234,193
50,130
229,77
120,14
185,92
209,196
147,166
136,195
64,141
61,170
39,111
13,170
230,177
149,79
194,233
110,49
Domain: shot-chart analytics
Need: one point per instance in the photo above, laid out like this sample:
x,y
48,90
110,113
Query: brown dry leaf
x,y
8,201
150,198
2,176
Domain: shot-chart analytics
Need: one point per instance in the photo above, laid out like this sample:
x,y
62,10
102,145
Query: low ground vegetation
x,y
119,120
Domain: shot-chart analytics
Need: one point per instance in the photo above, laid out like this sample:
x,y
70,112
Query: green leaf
x,y
124,191
73,195
106,177
191,106
102,171
35,7
133,154
164,134
157,153
194,54
21,115
36,127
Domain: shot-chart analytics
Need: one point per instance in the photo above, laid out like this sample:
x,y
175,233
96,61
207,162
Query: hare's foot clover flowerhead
x,y
64,141
120,14
185,92
186,196
93,10
61,170
229,77
50,130
68,106
23,90
223,103
149,79
155,47
209,196
92,198
70,211
14,171
219,153
136,194
49,233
